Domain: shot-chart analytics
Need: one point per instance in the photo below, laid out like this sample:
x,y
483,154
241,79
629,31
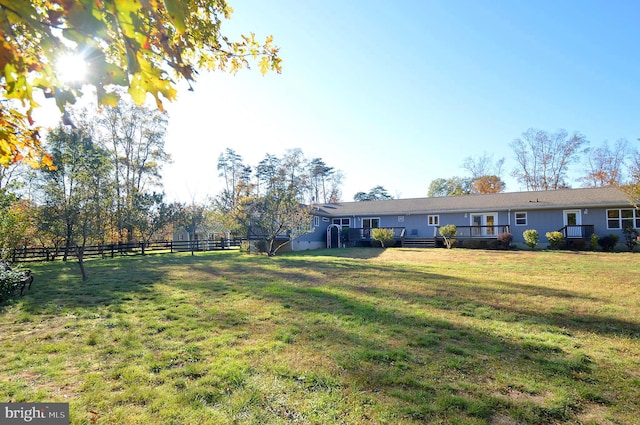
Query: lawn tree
x,y
384,236
134,137
277,217
143,46
76,194
94,199
375,194
453,186
448,233
544,158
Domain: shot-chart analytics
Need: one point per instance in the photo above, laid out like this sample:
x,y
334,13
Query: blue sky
x,y
400,93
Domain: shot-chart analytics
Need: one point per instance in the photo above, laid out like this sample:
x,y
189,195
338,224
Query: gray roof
x,y
521,201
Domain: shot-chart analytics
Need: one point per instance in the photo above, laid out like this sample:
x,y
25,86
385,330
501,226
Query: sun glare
x,y
71,68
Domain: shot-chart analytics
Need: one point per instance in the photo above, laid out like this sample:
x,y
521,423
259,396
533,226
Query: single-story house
x,y
577,213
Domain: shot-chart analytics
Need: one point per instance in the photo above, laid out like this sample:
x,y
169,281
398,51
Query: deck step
x,y
419,243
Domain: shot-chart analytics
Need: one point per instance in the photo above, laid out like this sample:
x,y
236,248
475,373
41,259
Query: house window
x,y
342,222
623,218
370,223
433,220
316,221
521,219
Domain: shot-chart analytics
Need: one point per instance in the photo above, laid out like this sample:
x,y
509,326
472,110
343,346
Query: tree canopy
x,y
544,157
377,193
144,46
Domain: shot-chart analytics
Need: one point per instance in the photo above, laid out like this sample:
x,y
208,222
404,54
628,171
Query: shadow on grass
x,y
383,346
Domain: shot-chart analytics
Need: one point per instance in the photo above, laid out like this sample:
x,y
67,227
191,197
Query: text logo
x,y
34,413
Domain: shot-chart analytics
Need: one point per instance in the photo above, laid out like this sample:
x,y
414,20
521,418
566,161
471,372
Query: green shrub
x,y
555,239
448,232
384,236
593,243
531,238
608,243
10,281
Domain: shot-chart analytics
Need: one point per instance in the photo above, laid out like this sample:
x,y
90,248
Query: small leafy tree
x,y
448,232
384,236
531,238
555,239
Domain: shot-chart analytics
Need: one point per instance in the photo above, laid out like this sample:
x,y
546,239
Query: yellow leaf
x,y
265,65
176,12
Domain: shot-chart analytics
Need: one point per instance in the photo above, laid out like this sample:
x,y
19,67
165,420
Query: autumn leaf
x,y
132,44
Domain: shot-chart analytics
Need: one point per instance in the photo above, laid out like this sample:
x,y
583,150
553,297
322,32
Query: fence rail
x,y
27,254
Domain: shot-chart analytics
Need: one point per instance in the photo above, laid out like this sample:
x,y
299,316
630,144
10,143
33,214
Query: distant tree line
x,y
106,188
544,160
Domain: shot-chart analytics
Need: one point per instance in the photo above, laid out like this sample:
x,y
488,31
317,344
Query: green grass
x,y
349,336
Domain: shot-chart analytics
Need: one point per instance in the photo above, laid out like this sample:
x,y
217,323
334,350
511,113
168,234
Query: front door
x,y
573,221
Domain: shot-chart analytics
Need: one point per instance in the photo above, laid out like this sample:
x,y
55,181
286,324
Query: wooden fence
x,y
24,255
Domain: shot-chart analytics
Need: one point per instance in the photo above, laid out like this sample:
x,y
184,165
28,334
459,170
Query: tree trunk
x,y
80,255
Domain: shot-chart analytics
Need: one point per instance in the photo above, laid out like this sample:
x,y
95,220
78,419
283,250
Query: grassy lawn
x,y
347,336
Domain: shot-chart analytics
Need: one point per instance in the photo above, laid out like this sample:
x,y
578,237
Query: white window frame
x,y
342,222
635,218
516,218
316,221
433,220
